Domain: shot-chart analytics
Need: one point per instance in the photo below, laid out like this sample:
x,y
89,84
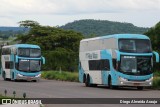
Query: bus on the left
x,y
21,62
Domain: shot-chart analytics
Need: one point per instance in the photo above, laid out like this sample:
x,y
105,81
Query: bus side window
x,y
9,65
102,64
114,63
6,51
105,64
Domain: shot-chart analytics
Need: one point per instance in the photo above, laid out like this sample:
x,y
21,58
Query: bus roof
x,y
22,46
119,36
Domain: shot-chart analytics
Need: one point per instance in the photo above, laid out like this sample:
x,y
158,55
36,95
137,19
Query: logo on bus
x,y
91,55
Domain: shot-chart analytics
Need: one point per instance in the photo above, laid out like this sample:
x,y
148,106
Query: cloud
x,y
76,6
58,12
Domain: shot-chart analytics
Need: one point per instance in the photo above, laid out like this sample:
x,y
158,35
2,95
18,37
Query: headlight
x,y
122,79
150,79
20,75
38,75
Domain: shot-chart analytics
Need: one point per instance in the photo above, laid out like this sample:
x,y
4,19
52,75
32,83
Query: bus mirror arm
x,y
16,59
43,60
157,56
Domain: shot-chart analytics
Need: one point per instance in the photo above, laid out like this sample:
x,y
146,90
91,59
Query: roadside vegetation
x,y
60,75
156,83
156,80
61,48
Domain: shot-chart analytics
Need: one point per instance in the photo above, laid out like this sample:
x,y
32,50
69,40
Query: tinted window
x,y
99,64
29,65
26,52
6,51
135,45
9,65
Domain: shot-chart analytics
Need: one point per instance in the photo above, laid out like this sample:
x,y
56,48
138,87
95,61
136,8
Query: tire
x,y
4,76
94,85
87,82
140,87
84,78
110,84
12,76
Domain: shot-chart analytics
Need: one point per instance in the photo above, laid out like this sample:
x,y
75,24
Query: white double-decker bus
x,y
21,61
117,60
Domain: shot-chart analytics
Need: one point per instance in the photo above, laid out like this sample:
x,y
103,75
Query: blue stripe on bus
x,y
126,36
28,73
26,46
106,54
134,77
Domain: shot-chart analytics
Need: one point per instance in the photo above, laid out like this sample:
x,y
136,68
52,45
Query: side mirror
x,y
118,55
157,56
16,59
43,60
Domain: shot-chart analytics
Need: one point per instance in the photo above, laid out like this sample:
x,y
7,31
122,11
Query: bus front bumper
x,y
28,78
125,82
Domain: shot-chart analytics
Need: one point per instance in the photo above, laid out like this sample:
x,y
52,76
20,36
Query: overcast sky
x,y
142,13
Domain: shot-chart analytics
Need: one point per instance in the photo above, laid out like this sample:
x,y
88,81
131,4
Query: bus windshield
x,y
26,52
135,45
29,65
136,65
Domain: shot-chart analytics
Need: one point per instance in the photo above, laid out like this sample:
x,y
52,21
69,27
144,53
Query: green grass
x,y
63,76
156,83
156,74
1,96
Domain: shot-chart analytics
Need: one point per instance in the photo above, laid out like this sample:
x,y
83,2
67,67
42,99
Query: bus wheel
x,y
4,75
13,76
84,78
110,83
87,82
140,87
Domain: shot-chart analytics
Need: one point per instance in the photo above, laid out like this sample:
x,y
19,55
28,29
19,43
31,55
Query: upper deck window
x,y
135,45
29,52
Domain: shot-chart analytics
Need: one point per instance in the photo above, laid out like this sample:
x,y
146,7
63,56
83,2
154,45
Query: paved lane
x,y
60,89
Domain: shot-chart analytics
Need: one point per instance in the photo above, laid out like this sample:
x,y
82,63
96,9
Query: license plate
x,y
29,78
136,84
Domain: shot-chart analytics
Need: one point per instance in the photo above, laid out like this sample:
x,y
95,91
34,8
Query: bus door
x,y
105,69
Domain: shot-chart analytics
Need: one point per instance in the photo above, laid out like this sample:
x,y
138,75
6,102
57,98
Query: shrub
x,y
64,76
156,83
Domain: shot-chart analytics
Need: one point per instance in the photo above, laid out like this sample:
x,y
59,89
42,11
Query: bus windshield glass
x,y
136,65
29,65
26,52
135,45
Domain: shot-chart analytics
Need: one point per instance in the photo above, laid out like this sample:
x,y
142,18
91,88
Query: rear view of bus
x,y
117,60
21,62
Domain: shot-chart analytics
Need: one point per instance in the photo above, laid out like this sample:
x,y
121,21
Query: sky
x,y
142,13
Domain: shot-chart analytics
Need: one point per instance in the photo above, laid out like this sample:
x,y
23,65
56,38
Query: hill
x,y
6,32
91,27
2,29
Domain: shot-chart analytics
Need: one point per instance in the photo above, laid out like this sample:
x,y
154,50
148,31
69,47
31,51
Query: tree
x,y
154,35
28,24
59,47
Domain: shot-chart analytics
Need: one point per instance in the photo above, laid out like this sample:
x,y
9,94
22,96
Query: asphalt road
x,y
61,89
